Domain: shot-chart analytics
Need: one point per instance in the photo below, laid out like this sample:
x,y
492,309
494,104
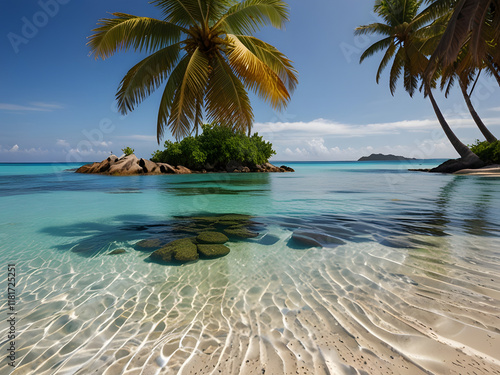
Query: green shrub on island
x,y
128,151
216,146
489,152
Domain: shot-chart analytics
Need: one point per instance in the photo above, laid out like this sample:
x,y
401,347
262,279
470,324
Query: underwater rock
x,y
212,238
117,251
213,250
240,232
183,250
268,240
314,239
149,244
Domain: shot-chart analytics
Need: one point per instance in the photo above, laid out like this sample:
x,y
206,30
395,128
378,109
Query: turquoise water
x,y
405,278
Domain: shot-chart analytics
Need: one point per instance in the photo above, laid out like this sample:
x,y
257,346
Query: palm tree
x,y
465,75
406,34
475,23
205,51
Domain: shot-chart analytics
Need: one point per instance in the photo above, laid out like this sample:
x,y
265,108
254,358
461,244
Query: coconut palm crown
x,y
205,51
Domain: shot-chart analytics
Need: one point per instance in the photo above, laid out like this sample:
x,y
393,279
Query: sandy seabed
x,y
360,308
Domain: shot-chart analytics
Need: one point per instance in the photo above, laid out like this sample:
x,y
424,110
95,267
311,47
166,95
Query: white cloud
x,y
37,106
49,106
322,127
62,143
317,149
14,148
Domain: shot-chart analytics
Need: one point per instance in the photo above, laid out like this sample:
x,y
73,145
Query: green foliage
x,y
216,146
489,152
128,151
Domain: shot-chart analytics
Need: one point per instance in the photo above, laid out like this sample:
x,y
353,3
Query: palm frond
x,y
181,12
126,31
374,28
227,100
455,35
273,58
145,77
397,67
479,31
385,60
410,81
173,83
256,75
191,89
249,15
376,47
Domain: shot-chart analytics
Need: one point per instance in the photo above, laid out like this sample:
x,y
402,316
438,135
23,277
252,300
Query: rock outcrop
x,y
454,165
131,165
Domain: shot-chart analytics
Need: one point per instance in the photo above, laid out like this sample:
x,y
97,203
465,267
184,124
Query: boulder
x,y
154,243
149,167
126,165
245,170
268,167
454,165
182,170
183,250
240,232
88,168
212,238
213,250
166,168
304,238
287,169
232,166
117,251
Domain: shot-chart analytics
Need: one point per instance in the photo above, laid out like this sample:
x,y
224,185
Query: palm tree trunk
x,y
480,124
197,118
493,70
465,153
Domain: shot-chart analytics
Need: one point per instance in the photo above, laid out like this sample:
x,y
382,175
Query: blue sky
x,y
57,103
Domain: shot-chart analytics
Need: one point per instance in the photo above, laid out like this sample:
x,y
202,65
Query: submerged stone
x,y
269,240
240,232
213,250
307,239
183,250
212,238
149,244
117,251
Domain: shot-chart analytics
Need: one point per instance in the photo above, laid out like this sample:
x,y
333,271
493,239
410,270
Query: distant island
x,y
382,157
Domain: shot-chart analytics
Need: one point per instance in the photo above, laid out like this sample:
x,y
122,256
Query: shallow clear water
x,y
407,280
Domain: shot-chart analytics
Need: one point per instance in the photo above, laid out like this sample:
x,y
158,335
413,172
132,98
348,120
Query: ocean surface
x,y
402,275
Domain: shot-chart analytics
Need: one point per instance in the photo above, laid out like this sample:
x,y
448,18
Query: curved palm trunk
x,y
480,124
466,154
197,119
493,70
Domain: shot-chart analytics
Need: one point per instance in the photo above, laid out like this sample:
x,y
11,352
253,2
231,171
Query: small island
x,y
218,149
382,157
